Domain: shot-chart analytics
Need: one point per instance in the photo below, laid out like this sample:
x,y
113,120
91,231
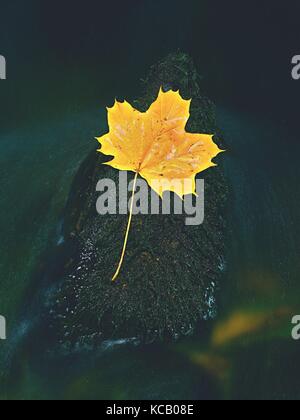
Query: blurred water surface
x,y
60,78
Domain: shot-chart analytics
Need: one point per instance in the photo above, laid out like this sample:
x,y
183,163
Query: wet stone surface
x,y
171,271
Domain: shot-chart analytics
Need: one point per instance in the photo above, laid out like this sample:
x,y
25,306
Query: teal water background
x,y
52,106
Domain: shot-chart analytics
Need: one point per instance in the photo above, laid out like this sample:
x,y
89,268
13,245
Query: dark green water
x,y
261,277
51,107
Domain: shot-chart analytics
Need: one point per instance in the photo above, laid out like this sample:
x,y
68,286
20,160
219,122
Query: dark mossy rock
x,y
171,270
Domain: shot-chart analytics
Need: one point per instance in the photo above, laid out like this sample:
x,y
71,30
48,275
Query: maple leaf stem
x,y
127,231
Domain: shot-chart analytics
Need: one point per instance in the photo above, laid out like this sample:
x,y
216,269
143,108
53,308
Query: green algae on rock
x,y
171,271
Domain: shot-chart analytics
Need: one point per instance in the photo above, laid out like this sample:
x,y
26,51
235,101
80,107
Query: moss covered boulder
x,y
171,271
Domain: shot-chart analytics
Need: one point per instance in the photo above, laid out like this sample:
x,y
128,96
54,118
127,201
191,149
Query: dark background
x,y
67,61
66,56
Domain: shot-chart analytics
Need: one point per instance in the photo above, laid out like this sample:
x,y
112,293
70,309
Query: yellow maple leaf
x,y
155,145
